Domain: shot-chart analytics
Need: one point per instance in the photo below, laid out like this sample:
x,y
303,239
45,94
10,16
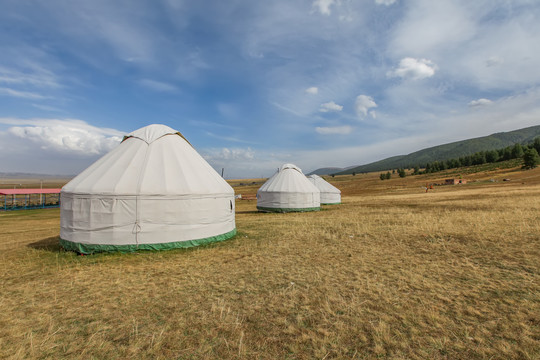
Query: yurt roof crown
x,y
151,133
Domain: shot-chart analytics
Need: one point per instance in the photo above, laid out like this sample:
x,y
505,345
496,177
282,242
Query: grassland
x,y
393,272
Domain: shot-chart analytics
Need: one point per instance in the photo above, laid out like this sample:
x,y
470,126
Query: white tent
x,y
288,190
330,195
152,192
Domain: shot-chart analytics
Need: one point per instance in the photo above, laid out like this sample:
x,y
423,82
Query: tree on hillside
x,y
530,159
416,170
506,153
479,158
536,144
401,173
492,156
465,160
388,175
517,151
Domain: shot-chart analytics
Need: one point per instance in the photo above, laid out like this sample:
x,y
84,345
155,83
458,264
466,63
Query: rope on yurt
x,y
137,225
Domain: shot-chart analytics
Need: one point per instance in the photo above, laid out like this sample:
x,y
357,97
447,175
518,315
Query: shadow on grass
x,y
51,244
248,212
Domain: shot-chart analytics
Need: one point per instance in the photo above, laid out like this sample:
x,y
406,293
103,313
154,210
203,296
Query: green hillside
x,y
451,150
327,171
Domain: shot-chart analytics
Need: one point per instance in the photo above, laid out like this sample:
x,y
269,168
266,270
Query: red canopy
x,y
29,191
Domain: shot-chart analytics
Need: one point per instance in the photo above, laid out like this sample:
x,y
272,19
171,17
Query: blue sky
x,y
253,84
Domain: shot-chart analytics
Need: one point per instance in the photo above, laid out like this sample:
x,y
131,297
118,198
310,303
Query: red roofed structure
x,y
29,191
22,199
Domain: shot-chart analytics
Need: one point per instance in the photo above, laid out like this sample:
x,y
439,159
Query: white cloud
x,y
362,105
287,109
189,67
330,106
47,108
415,69
239,162
323,6
229,138
33,75
229,154
157,85
65,136
482,44
494,61
229,111
21,94
433,27
312,90
385,2
480,102
336,130
506,114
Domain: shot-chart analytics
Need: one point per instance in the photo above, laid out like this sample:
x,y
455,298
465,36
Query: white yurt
x,y
288,190
330,195
152,192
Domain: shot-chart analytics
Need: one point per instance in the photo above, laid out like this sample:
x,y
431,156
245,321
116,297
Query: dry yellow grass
x,y
393,272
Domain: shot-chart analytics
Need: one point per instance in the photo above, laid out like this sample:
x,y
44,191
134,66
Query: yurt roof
x,y
289,178
153,132
290,166
323,185
153,160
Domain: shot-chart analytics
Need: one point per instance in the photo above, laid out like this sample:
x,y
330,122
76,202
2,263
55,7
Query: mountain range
x,y
441,152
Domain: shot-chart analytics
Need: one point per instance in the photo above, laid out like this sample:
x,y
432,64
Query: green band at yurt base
x,y
94,248
287,210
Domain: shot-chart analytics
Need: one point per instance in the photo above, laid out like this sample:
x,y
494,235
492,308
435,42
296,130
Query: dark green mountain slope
x,y
327,171
451,150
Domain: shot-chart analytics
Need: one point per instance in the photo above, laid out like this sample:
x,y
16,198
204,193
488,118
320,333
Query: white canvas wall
x,y
288,190
154,191
329,193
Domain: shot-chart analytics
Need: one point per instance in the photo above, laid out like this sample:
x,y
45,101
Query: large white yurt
x,y
288,190
330,195
152,192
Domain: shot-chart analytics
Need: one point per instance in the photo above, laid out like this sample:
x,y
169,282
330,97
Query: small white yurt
x,y
288,190
330,195
152,192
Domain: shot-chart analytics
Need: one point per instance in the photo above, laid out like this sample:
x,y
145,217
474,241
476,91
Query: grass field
x,y
393,272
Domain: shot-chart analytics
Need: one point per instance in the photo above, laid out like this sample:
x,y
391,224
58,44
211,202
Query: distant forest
x,y
479,158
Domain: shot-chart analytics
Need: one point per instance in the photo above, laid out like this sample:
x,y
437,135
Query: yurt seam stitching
x,y
137,226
